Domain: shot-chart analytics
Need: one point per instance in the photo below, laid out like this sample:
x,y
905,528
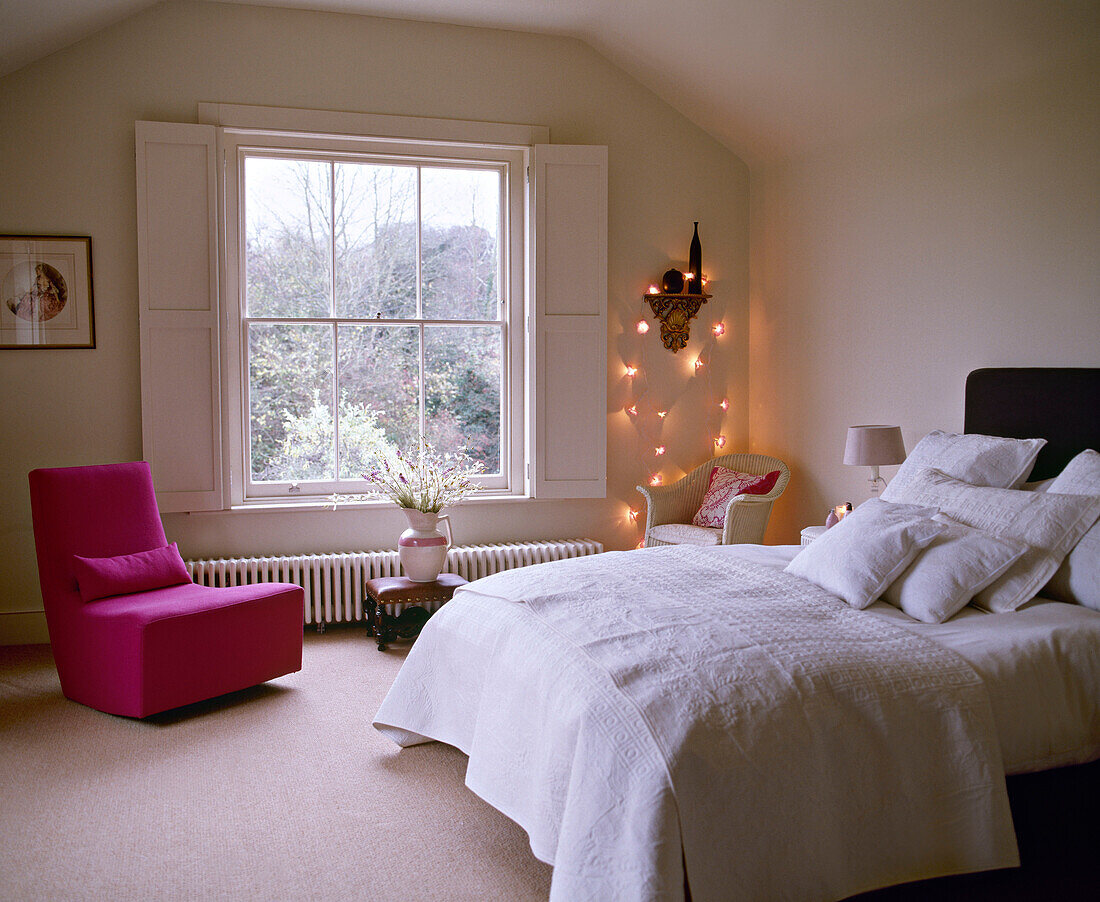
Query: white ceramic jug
x,y
423,547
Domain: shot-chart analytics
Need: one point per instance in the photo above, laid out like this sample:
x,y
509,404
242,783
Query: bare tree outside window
x,y
373,313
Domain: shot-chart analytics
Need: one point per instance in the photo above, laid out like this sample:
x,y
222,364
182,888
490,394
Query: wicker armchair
x,y
746,515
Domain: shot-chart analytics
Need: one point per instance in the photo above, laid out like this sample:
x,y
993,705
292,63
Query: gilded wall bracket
x,y
675,313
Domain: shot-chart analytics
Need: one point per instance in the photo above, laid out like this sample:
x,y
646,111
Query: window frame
x,y
182,316
235,144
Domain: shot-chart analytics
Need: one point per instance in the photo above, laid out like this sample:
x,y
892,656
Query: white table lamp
x,y
874,447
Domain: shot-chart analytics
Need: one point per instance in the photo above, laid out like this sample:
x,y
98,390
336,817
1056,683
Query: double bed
x,y
682,721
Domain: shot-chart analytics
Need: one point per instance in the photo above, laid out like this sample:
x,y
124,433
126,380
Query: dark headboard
x,y
1060,404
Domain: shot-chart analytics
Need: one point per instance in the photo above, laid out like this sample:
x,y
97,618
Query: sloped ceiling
x,y
768,78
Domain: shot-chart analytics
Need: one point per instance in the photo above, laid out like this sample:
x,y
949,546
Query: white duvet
x,y
639,712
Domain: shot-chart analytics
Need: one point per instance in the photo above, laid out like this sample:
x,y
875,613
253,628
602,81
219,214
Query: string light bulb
x,y
653,289
656,480
640,545
719,329
662,413
633,515
720,441
698,363
725,405
643,327
632,371
659,450
632,410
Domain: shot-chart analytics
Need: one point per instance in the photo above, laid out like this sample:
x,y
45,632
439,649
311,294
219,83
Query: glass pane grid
x,y
374,313
290,402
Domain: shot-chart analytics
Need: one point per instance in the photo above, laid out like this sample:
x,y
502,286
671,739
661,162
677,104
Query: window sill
x,y
308,505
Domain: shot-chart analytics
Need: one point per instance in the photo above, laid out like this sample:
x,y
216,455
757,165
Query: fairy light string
x,y
648,408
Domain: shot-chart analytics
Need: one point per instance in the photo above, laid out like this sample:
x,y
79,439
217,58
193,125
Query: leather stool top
x,y
395,589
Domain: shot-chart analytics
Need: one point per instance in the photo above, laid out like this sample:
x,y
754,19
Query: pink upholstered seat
x,y
146,652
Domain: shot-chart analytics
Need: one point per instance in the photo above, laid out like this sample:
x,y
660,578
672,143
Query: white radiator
x,y
334,583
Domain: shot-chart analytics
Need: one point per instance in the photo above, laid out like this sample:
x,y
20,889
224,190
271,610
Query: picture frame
x,y
46,292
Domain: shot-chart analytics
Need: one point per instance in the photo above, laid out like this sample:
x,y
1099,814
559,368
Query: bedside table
x,y
810,533
387,590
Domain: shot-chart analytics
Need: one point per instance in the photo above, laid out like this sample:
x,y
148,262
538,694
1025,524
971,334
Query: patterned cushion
x,y
683,534
1050,523
1078,579
724,485
867,550
982,460
960,562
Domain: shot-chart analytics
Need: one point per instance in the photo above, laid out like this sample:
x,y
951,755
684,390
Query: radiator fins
x,y
334,583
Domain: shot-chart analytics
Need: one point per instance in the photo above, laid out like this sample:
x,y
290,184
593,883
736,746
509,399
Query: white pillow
x,y
977,459
865,552
1050,524
959,563
1078,579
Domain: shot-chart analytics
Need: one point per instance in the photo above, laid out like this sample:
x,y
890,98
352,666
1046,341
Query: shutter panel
x,y
569,322
178,302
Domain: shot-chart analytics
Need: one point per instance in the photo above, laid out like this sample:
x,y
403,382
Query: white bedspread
x,y
627,706
1040,665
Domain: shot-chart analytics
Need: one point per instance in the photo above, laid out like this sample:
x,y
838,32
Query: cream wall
x,y
885,269
67,158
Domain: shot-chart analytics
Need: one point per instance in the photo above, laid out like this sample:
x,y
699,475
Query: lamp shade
x,y
874,446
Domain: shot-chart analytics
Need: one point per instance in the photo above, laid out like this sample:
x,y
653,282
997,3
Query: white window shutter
x,y
569,321
178,302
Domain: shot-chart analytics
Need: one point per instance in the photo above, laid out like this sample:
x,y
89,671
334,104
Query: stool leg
x,y
380,626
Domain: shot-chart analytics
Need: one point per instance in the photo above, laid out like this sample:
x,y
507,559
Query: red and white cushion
x,y
724,485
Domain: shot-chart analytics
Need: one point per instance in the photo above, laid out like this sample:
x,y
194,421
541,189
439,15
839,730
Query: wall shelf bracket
x,y
675,313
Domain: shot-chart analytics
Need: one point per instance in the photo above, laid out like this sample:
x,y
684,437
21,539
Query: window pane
x,y
379,393
288,236
460,240
375,240
463,390
290,402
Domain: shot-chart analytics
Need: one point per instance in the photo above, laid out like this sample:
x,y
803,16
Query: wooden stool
x,y
387,590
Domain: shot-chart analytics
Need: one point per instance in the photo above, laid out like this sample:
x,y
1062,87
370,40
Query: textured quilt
x,y
639,713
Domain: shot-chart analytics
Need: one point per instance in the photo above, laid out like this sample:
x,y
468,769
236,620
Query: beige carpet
x,y
280,792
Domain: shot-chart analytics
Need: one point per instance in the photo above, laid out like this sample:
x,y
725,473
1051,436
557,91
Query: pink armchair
x,y
148,651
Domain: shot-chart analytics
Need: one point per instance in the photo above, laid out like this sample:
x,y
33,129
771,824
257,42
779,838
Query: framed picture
x,y
46,292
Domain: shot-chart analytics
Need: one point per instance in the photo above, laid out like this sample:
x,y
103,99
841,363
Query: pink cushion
x,y
102,577
724,485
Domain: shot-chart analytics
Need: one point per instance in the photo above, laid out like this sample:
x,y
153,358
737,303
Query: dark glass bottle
x,y
695,264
